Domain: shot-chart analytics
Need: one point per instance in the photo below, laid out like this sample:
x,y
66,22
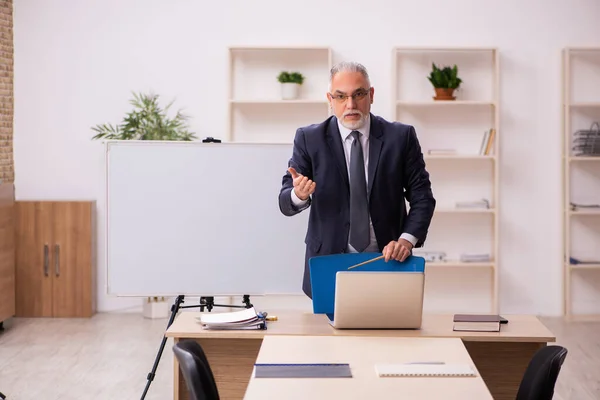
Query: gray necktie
x,y
359,208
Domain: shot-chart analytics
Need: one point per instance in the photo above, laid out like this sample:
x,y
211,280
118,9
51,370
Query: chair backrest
x,y
540,376
196,370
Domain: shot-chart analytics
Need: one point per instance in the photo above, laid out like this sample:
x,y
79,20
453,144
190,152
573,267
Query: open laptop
x,y
378,300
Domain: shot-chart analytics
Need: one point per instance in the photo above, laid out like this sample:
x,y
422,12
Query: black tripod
x,y
205,302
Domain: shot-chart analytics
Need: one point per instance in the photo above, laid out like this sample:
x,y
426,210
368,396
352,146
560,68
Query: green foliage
x,y
445,77
290,77
147,122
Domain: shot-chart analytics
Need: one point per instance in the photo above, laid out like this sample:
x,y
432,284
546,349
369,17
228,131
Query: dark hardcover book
x,y
477,322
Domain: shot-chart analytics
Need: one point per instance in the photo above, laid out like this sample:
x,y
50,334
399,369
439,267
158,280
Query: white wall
x,y
76,64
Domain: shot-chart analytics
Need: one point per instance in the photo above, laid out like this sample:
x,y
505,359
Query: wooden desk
x,y
363,353
500,357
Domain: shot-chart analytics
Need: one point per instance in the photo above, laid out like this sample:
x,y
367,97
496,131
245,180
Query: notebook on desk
x,y
304,370
424,370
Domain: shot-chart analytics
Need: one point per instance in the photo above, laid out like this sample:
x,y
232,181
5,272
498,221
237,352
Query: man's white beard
x,y
356,124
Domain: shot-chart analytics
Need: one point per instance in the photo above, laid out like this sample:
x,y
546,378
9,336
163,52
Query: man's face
x,y
350,98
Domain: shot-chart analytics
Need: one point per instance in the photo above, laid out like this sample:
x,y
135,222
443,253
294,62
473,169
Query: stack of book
x,y
483,203
475,257
477,322
245,319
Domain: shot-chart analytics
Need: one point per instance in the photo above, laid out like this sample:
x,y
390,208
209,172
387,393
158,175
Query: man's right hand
x,y
303,187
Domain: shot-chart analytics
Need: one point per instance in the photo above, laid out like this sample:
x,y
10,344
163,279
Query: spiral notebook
x,y
415,370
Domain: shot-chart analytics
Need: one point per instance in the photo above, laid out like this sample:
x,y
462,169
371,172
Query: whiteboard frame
x,y
110,142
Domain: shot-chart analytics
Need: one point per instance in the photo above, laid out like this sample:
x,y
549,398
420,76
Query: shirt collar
x,y
345,132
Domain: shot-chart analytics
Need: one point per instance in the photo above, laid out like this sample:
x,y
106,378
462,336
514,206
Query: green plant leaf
x,y
147,121
290,77
445,77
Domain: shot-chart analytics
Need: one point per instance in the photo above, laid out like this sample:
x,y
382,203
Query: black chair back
x,y
196,370
540,376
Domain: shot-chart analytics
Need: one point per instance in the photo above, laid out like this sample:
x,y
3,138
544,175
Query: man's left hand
x,y
397,250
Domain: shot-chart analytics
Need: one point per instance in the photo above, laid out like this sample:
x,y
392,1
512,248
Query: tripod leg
x,y
152,374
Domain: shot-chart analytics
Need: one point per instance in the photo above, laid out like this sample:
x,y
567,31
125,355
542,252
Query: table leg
x,y
231,361
502,364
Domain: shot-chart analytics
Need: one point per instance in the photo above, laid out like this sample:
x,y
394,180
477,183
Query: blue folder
x,y
323,270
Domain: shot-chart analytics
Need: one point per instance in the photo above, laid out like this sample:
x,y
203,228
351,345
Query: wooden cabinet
x,y
7,252
55,258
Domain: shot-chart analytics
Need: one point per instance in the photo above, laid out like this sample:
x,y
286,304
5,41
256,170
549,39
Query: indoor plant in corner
x,y
147,121
445,81
290,84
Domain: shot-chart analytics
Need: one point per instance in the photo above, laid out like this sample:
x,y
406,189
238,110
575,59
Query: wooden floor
x,y
110,356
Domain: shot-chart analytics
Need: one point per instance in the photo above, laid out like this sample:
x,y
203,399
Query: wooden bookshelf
x,y
257,112
581,181
467,174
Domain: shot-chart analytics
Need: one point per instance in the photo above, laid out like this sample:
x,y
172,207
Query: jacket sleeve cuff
x,y
296,200
407,236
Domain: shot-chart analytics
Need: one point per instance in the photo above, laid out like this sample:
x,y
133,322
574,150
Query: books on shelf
x,y
478,204
575,206
245,319
430,256
442,152
475,257
488,142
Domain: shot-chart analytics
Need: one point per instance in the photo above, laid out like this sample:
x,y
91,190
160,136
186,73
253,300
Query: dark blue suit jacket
x,y
396,174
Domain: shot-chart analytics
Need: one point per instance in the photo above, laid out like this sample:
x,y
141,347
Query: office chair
x,y
540,376
196,370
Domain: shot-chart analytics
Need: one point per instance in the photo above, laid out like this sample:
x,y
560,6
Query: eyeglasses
x,y
342,97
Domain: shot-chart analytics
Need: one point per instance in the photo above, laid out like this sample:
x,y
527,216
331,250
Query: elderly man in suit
x,y
356,171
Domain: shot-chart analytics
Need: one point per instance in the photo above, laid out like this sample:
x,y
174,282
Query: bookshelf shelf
x,y
460,264
459,157
585,212
585,159
466,210
257,109
459,140
276,101
584,266
581,179
453,103
585,105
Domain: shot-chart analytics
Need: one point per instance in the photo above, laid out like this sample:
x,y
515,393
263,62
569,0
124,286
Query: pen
x,y
428,362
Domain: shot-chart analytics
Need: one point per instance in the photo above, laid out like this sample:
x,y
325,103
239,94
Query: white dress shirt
x,y
347,140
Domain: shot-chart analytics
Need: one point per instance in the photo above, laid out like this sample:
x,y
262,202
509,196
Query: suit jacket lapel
x,y
375,144
334,141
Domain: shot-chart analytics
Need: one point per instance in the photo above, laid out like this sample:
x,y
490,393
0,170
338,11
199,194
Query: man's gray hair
x,y
348,66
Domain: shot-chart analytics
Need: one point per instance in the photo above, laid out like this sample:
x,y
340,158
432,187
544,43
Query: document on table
x,y
302,371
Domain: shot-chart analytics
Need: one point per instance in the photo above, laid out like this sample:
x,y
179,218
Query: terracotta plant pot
x,y
444,94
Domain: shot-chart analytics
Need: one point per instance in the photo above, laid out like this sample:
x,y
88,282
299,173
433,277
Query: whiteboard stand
x,y
207,302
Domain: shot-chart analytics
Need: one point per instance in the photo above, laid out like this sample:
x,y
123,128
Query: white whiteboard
x,y
200,219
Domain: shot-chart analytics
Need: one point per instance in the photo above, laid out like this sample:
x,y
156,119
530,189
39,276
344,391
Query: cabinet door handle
x,y
57,259
46,260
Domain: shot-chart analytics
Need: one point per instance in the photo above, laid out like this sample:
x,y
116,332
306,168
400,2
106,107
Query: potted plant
x,y
445,81
290,84
147,121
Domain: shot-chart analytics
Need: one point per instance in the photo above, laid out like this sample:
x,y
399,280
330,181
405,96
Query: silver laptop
x,y
378,300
